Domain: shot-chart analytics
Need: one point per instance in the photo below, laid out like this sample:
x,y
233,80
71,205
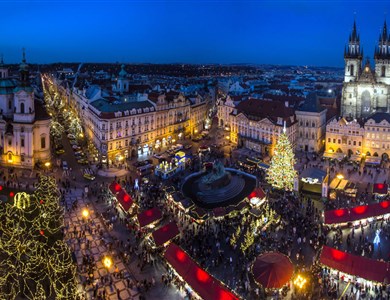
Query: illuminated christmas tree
x,y
281,172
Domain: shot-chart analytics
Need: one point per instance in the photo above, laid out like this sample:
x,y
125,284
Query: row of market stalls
x,y
354,265
367,159
197,279
361,214
146,220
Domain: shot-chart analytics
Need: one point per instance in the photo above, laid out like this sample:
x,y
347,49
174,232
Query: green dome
x,y
122,73
7,86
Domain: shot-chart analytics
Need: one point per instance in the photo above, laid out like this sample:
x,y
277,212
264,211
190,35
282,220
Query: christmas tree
x,y
281,172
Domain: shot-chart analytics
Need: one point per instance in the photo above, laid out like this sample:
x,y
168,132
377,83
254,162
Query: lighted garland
x,y
34,261
281,173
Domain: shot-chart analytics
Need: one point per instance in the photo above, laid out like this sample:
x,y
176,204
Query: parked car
x,y
89,176
82,161
65,165
60,151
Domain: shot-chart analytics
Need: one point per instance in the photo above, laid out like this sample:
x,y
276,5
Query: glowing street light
x,y
340,176
107,262
85,213
300,281
47,164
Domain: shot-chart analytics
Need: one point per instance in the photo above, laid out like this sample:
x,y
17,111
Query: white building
x,y
311,117
24,122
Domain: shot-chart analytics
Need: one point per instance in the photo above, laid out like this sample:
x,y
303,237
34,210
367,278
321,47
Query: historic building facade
x,y
311,117
256,124
24,122
125,125
366,90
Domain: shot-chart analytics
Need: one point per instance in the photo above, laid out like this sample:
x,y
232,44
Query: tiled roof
x,y
379,117
266,109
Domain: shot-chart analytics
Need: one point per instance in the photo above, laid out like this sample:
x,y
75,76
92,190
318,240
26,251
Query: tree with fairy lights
x,y
35,263
281,172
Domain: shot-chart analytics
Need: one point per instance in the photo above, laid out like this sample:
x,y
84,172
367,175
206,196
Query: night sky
x,y
266,32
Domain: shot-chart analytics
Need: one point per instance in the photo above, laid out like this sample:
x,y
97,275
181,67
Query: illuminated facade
x,y
24,122
133,125
366,91
256,124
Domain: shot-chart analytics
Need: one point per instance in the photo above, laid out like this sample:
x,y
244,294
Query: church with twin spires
x,y
366,90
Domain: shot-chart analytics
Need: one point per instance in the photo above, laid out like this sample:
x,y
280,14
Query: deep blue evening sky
x,y
268,32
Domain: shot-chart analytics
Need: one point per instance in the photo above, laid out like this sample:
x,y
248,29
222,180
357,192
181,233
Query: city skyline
x,y
206,32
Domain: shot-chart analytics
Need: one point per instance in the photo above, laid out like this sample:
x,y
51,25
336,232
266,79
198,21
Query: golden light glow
x,y
107,262
300,281
330,150
47,164
228,137
81,135
85,213
340,176
196,130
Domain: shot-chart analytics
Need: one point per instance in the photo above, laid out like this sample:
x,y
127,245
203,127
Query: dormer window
x,y
22,108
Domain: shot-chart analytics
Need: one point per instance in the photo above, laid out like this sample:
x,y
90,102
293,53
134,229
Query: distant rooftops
x,y
114,107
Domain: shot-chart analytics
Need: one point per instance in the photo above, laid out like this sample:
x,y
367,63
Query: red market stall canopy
x,y
165,233
123,198
258,192
356,213
149,216
205,285
272,270
360,266
380,188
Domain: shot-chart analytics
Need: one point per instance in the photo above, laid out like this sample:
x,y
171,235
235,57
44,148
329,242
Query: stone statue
x,y
217,173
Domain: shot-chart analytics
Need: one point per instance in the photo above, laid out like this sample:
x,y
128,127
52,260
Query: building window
x,y
22,142
9,104
334,141
339,141
22,108
110,146
383,71
328,140
9,142
354,143
43,142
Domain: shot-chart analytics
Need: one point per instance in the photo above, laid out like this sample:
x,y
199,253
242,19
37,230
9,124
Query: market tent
x,y
380,188
149,216
121,195
355,265
180,154
356,213
257,192
205,285
342,184
272,270
165,233
335,182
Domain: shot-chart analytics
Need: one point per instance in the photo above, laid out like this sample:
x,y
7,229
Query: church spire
x,y
382,51
353,50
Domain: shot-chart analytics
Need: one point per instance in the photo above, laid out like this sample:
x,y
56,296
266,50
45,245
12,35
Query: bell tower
x,y
353,55
24,110
3,68
382,57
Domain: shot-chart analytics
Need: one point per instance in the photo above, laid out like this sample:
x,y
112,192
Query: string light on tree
x,y
281,172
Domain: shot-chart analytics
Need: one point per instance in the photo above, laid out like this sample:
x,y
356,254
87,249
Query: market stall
x,y
204,285
380,190
355,265
357,213
149,217
124,199
165,234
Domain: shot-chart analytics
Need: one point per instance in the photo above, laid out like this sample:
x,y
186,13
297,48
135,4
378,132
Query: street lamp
x,y
107,262
85,213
